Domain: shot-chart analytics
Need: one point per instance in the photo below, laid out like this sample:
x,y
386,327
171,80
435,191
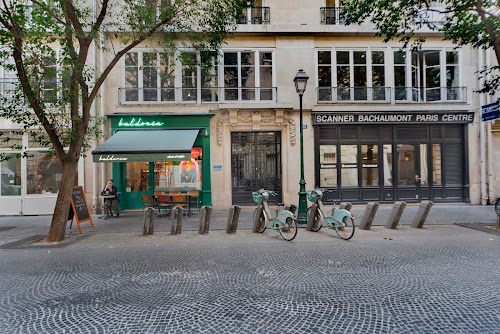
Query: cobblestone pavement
x,y
440,279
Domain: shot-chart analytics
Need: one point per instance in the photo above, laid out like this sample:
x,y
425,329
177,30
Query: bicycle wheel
x,y
345,229
313,225
262,221
289,230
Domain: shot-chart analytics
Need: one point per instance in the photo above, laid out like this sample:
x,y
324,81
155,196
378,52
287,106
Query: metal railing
x,y
8,88
354,94
331,15
255,15
432,16
391,94
181,95
430,94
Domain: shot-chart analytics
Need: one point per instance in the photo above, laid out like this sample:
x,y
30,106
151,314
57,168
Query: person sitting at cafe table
x,y
111,203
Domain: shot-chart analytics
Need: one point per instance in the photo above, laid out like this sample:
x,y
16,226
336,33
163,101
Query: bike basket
x,y
312,196
257,198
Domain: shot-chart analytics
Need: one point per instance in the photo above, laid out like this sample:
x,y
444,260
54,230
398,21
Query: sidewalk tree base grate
x,y
28,243
488,228
6,228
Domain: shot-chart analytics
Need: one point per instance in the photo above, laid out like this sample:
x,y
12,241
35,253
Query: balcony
x,y
354,95
255,15
391,95
331,15
426,94
179,95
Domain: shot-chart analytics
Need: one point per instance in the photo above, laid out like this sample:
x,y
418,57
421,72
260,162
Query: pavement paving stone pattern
x,y
440,279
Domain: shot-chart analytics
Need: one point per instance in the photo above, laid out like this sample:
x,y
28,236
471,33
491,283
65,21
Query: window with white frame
x,y
433,76
248,76
41,173
193,77
358,75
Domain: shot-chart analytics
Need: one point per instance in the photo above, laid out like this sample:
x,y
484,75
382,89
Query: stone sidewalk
x,y
131,221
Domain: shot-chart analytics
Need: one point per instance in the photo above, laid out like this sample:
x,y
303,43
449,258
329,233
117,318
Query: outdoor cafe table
x,y
188,199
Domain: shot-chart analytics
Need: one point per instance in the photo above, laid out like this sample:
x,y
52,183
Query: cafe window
x,y
11,176
137,176
179,174
328,165
349,168
369,155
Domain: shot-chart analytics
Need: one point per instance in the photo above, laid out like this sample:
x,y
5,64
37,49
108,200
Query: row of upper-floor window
x,y
149,76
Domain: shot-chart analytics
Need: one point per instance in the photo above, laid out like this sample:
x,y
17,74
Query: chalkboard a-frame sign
x,y
79,208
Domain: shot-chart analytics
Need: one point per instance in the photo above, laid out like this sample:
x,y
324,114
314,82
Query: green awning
x,y
146,145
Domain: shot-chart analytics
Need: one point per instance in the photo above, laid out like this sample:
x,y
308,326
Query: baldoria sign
x,y
111,158
372,118
139,122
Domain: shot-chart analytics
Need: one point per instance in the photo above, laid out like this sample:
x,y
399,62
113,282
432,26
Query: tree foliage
x,y
49,44
463,22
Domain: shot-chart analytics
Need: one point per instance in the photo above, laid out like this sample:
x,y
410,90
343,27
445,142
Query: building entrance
x,y
255,164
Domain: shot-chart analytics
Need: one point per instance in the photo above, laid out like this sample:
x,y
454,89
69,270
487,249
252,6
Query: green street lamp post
x,y
300,85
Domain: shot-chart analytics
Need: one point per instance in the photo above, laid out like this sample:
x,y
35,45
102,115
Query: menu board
x,y
79,208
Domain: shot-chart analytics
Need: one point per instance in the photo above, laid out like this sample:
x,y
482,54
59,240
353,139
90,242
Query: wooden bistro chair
x,y
194,202
148,202
164,203
179,201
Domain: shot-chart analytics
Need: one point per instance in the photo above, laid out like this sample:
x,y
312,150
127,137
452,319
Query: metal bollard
x,y
236,217
345,206
148,222
310,219
208,215
180,213
395,216
256,218
229,220
422,212
369,215
176,223
205,213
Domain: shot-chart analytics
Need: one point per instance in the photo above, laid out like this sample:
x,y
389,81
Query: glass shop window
x,y
328,165
349,165
11,176
387,163
369,155
170,175
137,176
44,174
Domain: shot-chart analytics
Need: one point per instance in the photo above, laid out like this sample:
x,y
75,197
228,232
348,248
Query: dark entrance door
x,y
255,164
410,166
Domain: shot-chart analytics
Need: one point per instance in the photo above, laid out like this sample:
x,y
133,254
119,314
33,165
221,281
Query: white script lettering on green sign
x,y
112,158
139,122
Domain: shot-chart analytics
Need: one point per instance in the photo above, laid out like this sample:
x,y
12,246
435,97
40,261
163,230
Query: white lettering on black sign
x,y
370,165
349,165
393,118
328,166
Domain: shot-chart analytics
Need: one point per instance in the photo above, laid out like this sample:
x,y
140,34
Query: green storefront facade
x,y
158,153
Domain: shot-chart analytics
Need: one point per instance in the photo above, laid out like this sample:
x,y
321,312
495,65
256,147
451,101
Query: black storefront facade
x,y
389,156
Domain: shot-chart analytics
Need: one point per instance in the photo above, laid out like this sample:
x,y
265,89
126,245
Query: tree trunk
x,y
60,217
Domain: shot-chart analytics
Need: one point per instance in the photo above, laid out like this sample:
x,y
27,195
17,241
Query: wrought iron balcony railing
x,y
331,15
182,95
354,95
255,15
430,94
392,95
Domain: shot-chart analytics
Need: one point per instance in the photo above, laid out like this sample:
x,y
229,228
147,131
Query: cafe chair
x,y
194,202
164,203
175,192
179,201
148,202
